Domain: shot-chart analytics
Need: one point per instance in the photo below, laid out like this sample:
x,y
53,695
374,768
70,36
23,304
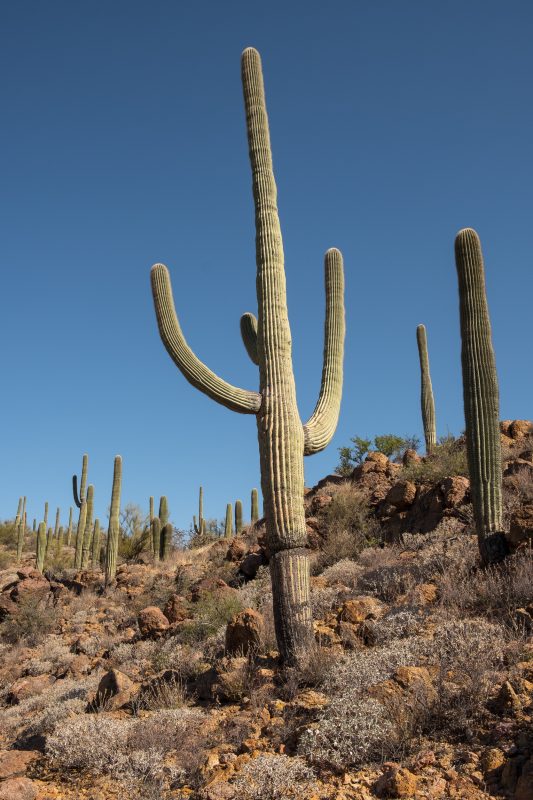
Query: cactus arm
x,y
249,335
79,498
320,428
480,396
200,376
426,391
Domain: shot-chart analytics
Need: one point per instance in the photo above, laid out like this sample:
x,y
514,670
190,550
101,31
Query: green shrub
x,y
446,460
211,612
389,444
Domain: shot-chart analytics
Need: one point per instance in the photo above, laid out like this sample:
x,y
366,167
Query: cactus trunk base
x,y
493,548
289,570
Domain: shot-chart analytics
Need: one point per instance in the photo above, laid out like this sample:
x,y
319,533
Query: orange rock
x,y
152,621
360,609
396,782
244,632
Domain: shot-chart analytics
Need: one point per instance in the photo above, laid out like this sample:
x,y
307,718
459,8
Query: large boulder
x,y
29,686
244,632
401,495
114,691
521,527
360,609
176,609
152,621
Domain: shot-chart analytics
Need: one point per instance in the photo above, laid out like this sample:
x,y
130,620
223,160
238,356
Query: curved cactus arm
x,y
200,376
320,428
79,498
249,335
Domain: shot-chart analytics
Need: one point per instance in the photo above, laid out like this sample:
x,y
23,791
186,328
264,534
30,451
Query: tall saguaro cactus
x,y
87,536
200,526
255,507
481,398
79,498
283,440
228,525
114,524
238,517
426,391
40,547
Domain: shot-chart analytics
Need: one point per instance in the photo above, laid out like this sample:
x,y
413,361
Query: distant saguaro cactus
x,y
156,538
79,498
46,514
228,527
114,524
69,531
238,517
87,537
41,547
56,527
426,391
18,515
481,398
200,525
163,511
255,507
166,541
21,530
95,555
283,440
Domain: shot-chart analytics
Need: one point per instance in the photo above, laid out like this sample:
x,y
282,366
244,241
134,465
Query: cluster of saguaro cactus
x,y
426,391
283,440
480,397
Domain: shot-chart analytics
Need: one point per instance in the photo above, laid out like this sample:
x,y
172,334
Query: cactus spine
x,y
41,547
228,527
166,541
481,398
95,555
114,524
87,536
283,440
238,517
255,507
426,391
156,538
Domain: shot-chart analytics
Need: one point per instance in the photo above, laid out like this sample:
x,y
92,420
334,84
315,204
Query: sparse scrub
x,y
345,572
211,612
275,777
33,620
446,459
350,526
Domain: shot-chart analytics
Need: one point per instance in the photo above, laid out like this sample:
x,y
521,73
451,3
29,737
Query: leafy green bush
x,y
389,444
447,459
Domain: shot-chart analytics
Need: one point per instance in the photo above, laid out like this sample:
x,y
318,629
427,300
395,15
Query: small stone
x,y
396,782
28,687
152,621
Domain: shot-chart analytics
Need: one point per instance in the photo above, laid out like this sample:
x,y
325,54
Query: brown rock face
x,y
210,586
410,457
455,491
521,528
505,427
396,782
524,787
35,586
114,690
251,563
28,687
401,495
15,762
360,609
18,789
244,633
236,549
152,621
176,608
520,428
320,502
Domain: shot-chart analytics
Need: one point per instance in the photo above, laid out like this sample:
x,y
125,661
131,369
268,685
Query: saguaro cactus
x,y
163,511
79,498
56,527
238,517
114,524
255,507
156,538
69,531
481,398
18,516
87,537
41,547
166,541
21,530
228,526
283,440
426,391
95,555
200,525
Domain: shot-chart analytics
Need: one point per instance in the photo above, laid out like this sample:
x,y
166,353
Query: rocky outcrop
x,y
244,633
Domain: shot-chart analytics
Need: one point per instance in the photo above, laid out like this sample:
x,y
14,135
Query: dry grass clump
x,y
211,613
350,525
32,622
446,460
135,751
275,777
345,572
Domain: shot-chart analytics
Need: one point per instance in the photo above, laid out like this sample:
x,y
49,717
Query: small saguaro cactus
x,y
163,511
481,398
113,530
79,498
200,525
56,527
21,530
255,507
283,439
95,555
156,538
18,516
87,537
46,514
426,391
228,527
59,542
166,541
41,547
238,517
49,537
69,530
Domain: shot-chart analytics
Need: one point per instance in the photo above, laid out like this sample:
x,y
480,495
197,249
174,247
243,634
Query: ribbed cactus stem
x,y
49,537
87,538
114,524
283,440
95,555
80,531
255,506
481,398
426,391
238,517
151,512
46,514
166,542
59,541
199,524
249,335
156,538
21,530
56,527
228,527
41,547
69,531
163,511
79,498
18,515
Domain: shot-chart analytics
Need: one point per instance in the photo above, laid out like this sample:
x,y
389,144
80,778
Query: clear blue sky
x,y
393,125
